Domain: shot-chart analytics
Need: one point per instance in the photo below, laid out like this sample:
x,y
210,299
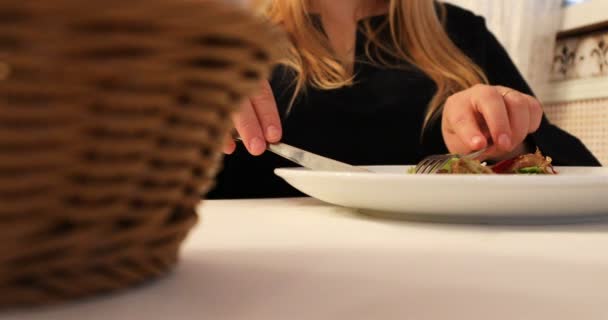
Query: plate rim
x,y
577,179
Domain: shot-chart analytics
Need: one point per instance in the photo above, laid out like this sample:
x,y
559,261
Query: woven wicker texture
x,y
112,116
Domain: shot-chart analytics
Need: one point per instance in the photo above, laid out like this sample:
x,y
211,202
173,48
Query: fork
x,y
433,163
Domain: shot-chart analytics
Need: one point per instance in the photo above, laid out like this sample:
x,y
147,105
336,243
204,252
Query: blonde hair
x,y
417,37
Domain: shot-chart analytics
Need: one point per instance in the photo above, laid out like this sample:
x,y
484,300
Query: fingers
x,y
461,121
518,109
525,113
536,113
267,112
489,102
229,144
248,126
258,122
504,115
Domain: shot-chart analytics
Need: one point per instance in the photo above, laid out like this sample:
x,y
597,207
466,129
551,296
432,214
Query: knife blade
x,y
311,160
308,159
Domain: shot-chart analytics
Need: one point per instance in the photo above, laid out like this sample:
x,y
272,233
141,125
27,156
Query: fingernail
x,y
476,141
228,149
273,133
257,145
504,141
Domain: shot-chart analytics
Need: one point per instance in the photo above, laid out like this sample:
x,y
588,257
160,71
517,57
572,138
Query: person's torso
x,y
377,120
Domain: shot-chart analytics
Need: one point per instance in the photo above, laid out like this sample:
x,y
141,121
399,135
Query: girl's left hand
x,y
506,116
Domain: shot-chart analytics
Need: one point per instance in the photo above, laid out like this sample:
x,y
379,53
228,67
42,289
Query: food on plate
x,y
464,166
531,163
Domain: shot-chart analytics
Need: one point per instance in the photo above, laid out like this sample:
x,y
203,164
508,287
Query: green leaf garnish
x,y
531,170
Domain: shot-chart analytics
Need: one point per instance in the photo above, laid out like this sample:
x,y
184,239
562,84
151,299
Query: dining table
x,y
303,259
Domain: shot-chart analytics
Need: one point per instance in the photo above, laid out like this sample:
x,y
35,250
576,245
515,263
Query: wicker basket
x,y
112,116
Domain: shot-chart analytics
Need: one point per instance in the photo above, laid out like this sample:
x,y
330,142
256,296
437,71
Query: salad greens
x,y
531,163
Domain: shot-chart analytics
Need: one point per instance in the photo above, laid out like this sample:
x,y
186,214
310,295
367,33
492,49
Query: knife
x,y
310,160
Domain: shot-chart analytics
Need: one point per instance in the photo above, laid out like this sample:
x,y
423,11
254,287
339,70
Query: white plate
x,y
574,191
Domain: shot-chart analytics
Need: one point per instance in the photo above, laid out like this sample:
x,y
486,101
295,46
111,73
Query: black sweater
x,y
378,120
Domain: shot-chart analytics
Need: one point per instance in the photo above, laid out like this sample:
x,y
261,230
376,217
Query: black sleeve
x,y
469,32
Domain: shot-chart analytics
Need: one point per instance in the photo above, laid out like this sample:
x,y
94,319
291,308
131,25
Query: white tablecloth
x,y
301,259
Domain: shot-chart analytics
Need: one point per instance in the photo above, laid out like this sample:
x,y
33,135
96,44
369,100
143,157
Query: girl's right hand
x,y
257,122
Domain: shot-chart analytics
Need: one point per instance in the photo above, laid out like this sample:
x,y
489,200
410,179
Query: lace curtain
x,y
527,30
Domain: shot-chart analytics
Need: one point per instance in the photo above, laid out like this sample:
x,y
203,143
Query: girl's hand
x,y
506,116
257,122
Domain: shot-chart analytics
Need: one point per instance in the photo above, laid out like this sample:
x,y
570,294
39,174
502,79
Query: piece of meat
x,y
525,161
468,166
